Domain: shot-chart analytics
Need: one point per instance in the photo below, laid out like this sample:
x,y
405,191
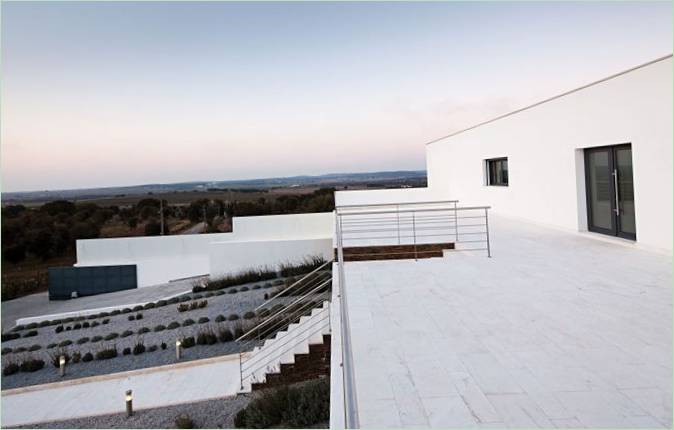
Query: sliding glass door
x,y
610,190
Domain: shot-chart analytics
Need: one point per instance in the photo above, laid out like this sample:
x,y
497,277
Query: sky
x,y
122,93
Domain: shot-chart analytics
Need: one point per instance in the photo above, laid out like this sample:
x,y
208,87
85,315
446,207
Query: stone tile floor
x,y
557,329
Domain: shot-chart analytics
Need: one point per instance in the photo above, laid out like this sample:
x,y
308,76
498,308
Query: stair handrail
x,y
295,283
270,317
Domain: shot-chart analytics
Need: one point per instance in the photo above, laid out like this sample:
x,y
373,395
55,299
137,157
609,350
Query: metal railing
x,y
416,224
285,308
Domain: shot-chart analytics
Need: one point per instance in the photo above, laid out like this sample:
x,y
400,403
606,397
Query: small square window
x,y
497,172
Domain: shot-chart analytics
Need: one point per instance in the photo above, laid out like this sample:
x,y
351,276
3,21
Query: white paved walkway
x,y
160,386
556,330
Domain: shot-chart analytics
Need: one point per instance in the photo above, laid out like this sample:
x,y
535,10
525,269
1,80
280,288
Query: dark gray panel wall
x,y
88,281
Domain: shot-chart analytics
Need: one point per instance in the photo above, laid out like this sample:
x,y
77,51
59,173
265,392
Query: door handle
x,y
615,189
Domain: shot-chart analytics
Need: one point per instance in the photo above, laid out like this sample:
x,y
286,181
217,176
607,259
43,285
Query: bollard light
x,y
62,365
178,344
129,403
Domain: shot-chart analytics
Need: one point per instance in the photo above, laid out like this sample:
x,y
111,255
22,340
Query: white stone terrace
x,y
557,329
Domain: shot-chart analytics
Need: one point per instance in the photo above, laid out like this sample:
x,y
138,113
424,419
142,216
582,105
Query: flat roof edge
x,y
624,72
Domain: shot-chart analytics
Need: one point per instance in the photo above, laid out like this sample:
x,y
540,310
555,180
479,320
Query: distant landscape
x,y
40,228
395,179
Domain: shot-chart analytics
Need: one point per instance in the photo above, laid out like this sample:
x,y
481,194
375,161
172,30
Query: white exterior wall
x,y
161,259
544,146
231,257
373,197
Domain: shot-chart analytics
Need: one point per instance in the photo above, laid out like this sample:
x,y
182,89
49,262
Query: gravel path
x,y
217,413
223,304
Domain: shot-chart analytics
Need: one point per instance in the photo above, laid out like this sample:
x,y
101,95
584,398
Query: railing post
x,y
456,225
398,216
414,233
486,222
240,372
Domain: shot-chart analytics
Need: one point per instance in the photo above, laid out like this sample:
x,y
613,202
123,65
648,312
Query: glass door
x,y
610,190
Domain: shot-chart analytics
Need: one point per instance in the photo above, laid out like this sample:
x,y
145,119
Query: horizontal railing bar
x,y
297,282
416,210
396,204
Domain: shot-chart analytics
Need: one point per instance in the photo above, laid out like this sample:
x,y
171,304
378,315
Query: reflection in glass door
x,y
610,190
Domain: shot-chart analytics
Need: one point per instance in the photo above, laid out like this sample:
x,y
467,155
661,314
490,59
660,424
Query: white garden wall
x,y
544,148
232,257
161,259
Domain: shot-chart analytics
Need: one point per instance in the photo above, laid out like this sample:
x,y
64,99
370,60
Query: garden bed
x,y
230,310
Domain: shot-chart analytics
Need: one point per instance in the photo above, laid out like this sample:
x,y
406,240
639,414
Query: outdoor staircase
x,y
290,354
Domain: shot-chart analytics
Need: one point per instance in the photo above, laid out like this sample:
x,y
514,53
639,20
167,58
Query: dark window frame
x,y
493,179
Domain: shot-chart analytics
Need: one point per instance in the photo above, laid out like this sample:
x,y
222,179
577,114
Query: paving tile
x,y
655,401
449,412
519,411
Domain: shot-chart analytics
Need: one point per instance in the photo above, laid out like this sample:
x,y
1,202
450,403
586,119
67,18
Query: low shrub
x,y
137,308
198,288
95,324
96,339
51,345
173,325
184,299
183,307
264,312
77,356
111,336
219,292
10,368
256,287
104,314
249,315
58,329
69,320
187,342
188,322
220,318
126,310
208,295
31,365
161,303
238,331
203,304
77,326
242,289
31,326
92,317
34,348
10,336
6,351
105,354
232,291
163,345
87,357
266,296
150,305
30,333
85,324
126,333
203,320
152,348
82,340
197,297
65,343
19,327
184,422
225,335
233,317
69,328
105,321
174,300
143,330
302,406
139,317
138,348
132,317
160,327
268,285
115,312
206,337
44,323
126,351
20,349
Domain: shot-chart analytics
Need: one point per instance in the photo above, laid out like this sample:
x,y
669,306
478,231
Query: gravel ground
x,y
224,304
217,413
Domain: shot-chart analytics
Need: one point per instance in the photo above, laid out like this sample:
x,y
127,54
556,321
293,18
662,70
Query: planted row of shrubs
x,y
243,277
78,326
184,307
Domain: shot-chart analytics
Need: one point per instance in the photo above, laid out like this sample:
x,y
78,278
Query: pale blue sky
x,y
104,94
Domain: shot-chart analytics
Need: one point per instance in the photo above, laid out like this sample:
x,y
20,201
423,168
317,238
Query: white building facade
x,y
598,159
